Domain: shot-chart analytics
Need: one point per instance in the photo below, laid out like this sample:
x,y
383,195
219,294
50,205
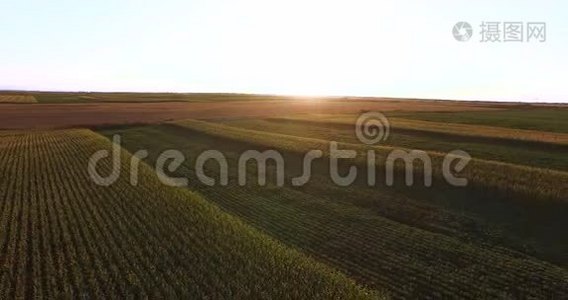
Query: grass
x,y
382,238
65,237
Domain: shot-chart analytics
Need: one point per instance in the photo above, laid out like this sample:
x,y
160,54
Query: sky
x,y
359,48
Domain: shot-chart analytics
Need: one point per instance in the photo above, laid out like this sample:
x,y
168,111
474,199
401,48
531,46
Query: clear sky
x,y
324,47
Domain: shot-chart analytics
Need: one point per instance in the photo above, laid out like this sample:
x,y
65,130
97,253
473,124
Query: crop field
x,y
17,99
62,235
150,97
386,238
523,147
147,97
77,114
65,237
125,97
446,128
543,118
482,172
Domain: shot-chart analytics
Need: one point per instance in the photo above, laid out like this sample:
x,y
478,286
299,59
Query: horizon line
x,y
362,97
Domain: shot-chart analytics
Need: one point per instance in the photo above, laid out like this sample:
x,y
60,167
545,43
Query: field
x,y
523,147
65,237
17,99
53,97
442,128
407,257
14,116
542,118
62,236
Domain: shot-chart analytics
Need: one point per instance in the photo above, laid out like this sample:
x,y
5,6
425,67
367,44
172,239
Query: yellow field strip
x,y
17,99
448,128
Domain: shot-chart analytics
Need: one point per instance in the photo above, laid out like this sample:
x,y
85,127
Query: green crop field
x,y
545,119
401,240
64,236
283,150
444,129
528,149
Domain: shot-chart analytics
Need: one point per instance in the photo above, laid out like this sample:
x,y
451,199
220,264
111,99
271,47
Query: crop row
x,y
445,128
534,183
378,252
63,236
